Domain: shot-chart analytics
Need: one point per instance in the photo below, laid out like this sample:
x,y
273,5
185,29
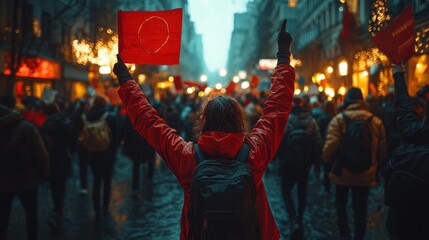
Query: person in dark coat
x,y
56,134
329,111
102,163
294,172
409,221
24,163
140,152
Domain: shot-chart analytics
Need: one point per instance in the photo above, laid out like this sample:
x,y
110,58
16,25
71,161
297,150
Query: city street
x,y
156,212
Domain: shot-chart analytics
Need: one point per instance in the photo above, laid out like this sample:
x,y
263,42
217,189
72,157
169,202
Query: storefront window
x,y
418,68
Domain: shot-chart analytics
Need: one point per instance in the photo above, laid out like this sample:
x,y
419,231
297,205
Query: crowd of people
x,y
37,144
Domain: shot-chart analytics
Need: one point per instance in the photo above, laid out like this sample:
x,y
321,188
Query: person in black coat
x,y
409,221
102,162
56,134
139,151
24,163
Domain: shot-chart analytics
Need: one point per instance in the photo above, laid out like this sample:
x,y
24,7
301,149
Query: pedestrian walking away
x,y
222,134
24,163
355,144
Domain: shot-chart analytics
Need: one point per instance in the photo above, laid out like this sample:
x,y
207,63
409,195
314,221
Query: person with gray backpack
x,y
355,144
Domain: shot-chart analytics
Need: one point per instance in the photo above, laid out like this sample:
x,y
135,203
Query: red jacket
x,y
180,157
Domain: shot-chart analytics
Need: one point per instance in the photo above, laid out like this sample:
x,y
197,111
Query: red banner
x,y
198,85
230,88
150,37
397,39
178,83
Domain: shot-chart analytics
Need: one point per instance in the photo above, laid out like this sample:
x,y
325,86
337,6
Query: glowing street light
x,y
218,86
236,79
105,70
343,68
242,74
222,72
329,69
245,85
203,78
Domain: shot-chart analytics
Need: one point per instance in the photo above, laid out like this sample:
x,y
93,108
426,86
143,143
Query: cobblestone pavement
x,y
155,214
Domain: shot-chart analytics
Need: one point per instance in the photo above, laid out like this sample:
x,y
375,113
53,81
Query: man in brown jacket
x,y
358,182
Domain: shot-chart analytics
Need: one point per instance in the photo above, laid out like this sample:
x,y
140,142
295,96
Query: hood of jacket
x,y
358,106
8,116
221,144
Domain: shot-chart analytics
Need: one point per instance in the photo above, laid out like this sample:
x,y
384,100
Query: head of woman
x,y
222,114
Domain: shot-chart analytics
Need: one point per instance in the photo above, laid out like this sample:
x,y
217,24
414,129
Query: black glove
x,y
284,40
121,71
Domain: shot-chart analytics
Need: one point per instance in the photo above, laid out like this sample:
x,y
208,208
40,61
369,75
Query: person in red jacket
x,y
222,132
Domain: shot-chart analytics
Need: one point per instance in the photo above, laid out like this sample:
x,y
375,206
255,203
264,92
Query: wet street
x,y
155,213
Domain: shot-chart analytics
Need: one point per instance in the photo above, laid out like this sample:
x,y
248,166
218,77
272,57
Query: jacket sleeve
x,y
333,138
382,145
38,152
268,131
411,129
164,139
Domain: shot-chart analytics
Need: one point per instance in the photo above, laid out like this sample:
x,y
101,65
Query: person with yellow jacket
x,y
345,179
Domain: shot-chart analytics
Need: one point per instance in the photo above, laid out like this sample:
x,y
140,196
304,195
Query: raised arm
x,y
268,131
145,119
412,130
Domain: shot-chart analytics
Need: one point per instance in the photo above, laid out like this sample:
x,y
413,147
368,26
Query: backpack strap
x,y
104,116
346,118
200,155
243,153
241,156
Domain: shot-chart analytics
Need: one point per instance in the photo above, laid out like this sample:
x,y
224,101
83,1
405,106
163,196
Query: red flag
x,y
397,39
348,24
178,84
198,85
150,37
230,88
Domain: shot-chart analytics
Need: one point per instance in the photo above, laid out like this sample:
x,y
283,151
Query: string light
x,y
102,53
380,16
422,41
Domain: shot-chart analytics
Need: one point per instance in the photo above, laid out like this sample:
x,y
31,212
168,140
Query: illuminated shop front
x,y
372,72
418,65
33,75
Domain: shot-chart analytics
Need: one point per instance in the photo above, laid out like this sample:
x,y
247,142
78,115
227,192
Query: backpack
x,y
354,153
407,177
95,136
298,150
223,198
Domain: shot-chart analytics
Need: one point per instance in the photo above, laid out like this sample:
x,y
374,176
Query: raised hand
x,y
284,41
121,71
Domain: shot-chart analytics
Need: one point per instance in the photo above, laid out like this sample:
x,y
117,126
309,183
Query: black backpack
x,y
407,177
223,198
298,151
354,152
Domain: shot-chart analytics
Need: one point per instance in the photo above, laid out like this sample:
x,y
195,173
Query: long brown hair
x,y
223,114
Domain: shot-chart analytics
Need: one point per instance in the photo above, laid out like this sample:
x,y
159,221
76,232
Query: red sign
x,y
150,37
397,39
34,67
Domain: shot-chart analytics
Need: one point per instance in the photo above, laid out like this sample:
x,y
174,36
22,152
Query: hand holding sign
x,y
150,37
121,71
